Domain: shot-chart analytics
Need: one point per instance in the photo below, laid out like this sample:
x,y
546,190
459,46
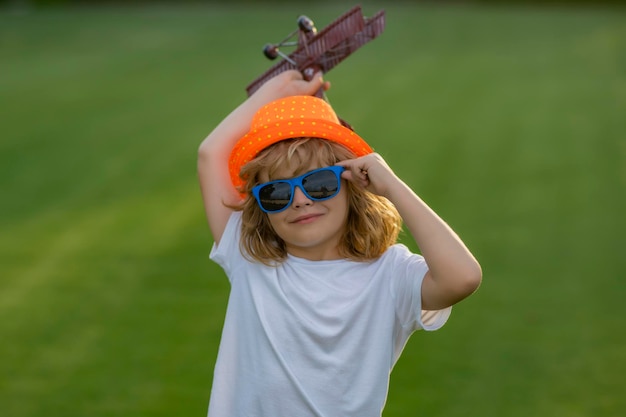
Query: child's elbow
x,y
449,289
208,153
204,150
471,278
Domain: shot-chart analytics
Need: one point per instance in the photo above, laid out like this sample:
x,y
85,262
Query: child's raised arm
x,y
213,154
453,272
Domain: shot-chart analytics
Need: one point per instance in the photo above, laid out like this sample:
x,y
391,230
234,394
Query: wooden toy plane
x,y
321,51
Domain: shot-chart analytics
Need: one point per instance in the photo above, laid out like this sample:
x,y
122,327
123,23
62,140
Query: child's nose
x,y
300,199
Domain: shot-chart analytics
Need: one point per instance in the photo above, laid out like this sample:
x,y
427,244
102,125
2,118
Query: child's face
x,y
311,229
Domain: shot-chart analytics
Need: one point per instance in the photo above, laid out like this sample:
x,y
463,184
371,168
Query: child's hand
x,y
370,172
290,83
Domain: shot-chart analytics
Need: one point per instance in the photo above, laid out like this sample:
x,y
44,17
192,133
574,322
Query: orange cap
x,y
288,118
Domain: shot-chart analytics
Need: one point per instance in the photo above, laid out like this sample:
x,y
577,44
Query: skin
x,y
453,272
312,229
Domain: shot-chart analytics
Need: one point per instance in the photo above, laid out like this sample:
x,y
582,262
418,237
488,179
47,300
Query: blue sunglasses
x,y
318,185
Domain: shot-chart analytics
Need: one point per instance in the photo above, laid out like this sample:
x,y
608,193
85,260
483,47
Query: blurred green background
x,y
508,120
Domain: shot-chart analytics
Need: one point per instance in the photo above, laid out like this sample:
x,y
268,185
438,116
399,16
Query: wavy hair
x,y
373,223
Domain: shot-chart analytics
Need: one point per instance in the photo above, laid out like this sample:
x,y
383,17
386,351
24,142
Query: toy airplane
x,y
321,51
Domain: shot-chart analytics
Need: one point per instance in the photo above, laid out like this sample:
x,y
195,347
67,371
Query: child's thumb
x,y
317,82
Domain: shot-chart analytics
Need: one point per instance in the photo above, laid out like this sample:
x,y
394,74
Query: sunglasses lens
x,y
275,196
321,184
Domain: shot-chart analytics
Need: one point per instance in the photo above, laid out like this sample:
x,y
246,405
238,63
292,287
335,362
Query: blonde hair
x,y
373,223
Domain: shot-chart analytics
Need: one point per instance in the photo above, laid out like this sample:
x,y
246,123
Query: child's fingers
x,y
355,174
316,83
369,171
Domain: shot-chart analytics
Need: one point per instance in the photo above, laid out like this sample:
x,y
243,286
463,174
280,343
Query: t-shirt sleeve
x,y
227,252
409,270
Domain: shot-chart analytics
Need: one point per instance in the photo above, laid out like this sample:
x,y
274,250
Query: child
x,y
305,218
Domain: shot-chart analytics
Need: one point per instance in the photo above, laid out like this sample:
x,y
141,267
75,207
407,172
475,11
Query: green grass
x,y
508,121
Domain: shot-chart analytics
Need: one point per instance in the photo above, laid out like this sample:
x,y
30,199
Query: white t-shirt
x,y
314,338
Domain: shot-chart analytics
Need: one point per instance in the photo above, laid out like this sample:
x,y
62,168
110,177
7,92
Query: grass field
x,y
510,122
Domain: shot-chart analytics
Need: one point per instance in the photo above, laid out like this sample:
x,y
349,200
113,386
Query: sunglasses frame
x,y
297,182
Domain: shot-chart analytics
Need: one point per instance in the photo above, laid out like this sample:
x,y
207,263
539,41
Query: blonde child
x,y
305,218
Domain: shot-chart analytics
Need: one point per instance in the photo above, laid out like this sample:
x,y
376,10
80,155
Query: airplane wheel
x,y
270,51
306,24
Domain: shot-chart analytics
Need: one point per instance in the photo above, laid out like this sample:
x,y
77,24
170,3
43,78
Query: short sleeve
x,y
408,274
227,252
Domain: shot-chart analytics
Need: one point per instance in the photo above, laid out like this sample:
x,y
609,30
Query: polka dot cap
x,y
288,118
